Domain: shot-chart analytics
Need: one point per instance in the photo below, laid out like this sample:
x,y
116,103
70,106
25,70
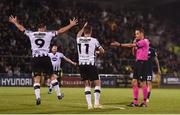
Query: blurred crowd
x,y
108,25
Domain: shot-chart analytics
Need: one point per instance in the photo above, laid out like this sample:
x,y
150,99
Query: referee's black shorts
x,y
41,65
140,70
88,72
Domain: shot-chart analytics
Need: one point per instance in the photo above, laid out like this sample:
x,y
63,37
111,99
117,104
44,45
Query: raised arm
x,y
128,45
70,61
71,24
79,34
13,20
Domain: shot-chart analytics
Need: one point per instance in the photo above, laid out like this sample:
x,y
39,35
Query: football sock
x,y
136,93
55,84
37,90
145,93
97,92
88,95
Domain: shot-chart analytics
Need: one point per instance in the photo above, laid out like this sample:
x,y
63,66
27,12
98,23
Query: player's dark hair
x,y
87,29
41,25
140,30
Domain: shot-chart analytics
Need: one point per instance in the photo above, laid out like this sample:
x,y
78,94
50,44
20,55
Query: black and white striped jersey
x,y
87,50
40,42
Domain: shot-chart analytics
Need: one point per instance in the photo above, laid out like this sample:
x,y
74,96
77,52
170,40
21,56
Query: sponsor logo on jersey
x,y
84,40
54,59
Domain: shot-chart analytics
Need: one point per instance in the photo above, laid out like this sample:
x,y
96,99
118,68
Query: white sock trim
x,y
54,81
36,84
97,87
87,88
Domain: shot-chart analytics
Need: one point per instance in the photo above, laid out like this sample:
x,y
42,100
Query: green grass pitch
x,y
22,100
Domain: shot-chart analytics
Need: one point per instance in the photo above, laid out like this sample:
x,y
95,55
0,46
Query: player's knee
x,y
134,82
149,83
53,77
87,83
98,83
144,84
37,79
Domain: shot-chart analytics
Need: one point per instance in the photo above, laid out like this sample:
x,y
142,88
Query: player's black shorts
x,y
149,72
88,72
41,65
140,70
58,73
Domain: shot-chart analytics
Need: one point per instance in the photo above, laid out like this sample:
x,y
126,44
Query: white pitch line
x,y
113,106
106,106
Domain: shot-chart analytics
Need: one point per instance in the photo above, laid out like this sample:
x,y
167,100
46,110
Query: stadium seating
x,y
109,24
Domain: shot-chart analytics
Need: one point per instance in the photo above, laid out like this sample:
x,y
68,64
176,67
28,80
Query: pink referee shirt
x,y
142,49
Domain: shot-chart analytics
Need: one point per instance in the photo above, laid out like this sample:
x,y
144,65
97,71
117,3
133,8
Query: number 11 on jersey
x,y
85,45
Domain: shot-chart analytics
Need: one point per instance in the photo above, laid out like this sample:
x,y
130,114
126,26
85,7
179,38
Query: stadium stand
x,y
108,24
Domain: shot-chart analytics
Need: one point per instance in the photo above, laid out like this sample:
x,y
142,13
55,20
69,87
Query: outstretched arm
x,y
13,20
128,45
70,61
79,34
71,24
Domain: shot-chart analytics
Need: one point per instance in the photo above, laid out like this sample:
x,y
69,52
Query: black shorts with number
x,y
88,72
140,70
149,71
41,65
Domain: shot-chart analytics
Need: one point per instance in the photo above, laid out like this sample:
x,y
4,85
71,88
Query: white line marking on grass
x,y
113,106
104,106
